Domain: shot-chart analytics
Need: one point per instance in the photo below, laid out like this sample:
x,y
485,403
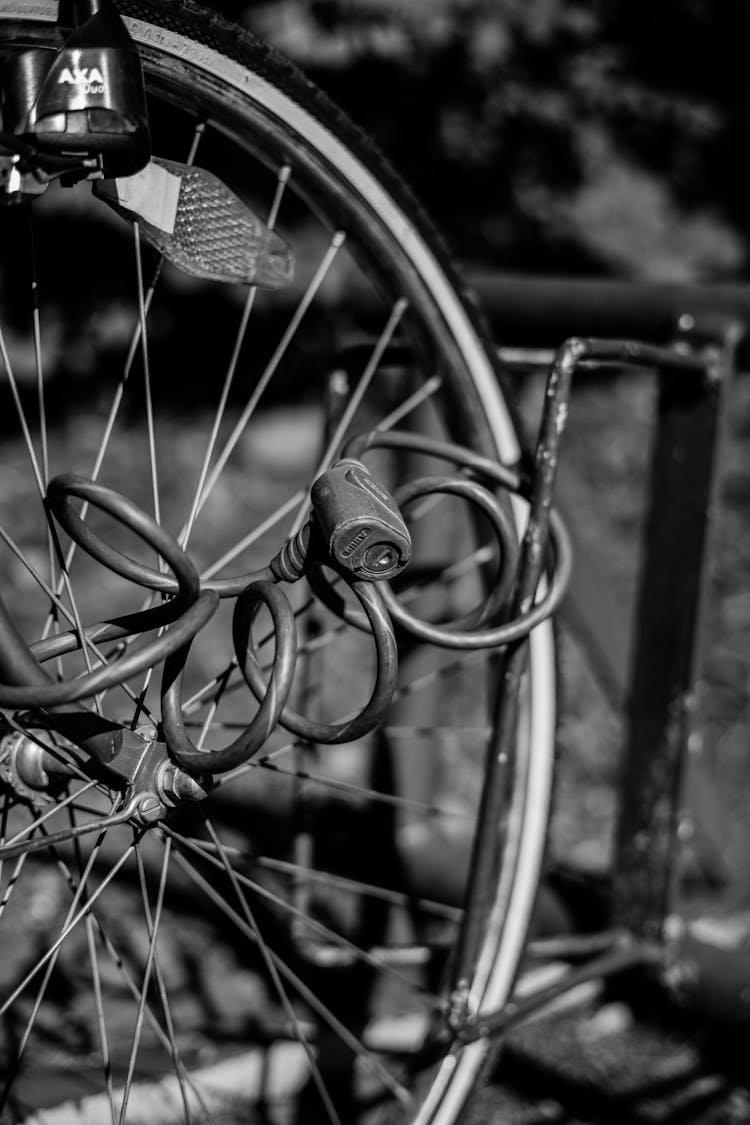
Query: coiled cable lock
x,y
355,529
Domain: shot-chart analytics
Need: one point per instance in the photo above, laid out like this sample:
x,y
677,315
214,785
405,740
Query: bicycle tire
x,y
258,103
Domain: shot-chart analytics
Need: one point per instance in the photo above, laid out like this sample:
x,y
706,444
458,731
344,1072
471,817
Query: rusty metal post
x,y
661,704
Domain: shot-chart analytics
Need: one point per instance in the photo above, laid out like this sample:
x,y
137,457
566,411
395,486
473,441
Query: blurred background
x,y
548,135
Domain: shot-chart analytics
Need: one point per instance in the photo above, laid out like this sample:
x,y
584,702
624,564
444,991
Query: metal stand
x,y
662,703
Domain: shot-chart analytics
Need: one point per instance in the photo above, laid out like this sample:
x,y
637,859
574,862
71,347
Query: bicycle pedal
x,y
197,223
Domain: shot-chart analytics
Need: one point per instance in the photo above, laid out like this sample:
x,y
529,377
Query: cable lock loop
x,y
192,607
59,493
357,529
272,698
385,679
463,633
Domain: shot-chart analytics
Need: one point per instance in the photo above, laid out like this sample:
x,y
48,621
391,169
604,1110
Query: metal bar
x,y
500,748
541,312
668,623
604,627
480,886
619,959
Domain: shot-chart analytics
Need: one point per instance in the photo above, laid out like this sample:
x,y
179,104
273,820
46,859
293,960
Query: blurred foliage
x,y
574,135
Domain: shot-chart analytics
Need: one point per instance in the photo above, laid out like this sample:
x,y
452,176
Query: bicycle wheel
x,y
302,903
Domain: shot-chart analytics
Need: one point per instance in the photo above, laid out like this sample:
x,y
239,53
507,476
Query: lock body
x,y
362,528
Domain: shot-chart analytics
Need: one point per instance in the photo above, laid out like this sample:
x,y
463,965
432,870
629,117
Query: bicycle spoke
x,y
41,401
150,435
208,723
96,982
4,824
146,978
140,995
254,535
54,598
163,994
66,835
38,357
220,683
101,1026
69,926
166,1040
139,700
57,603
49,960
405,408
78,621
18,868
378,796
372,365
135,343
310,998
12,882
307,299
21,414
359,887
117,399
365,791
281,182
329,879
427,391
273,972
132,987
57,807
466,660
284,904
